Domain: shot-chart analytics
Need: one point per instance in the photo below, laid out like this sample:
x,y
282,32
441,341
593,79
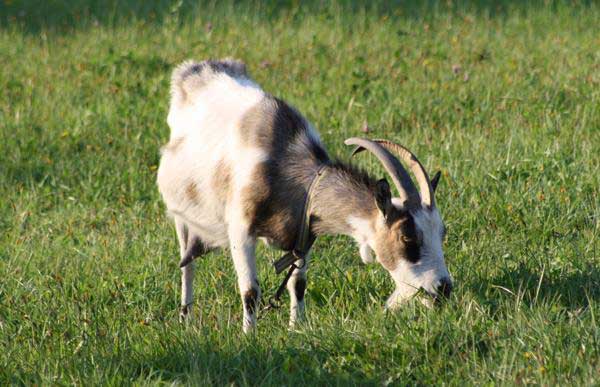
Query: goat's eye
x,y
406,239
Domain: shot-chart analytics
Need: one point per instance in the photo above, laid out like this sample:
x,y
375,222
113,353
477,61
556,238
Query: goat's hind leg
x,y
190,247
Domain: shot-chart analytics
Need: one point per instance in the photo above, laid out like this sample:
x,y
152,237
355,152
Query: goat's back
x,y
234,154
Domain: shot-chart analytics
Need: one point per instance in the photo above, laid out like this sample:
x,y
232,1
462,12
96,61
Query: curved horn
x,y
402,181
415,166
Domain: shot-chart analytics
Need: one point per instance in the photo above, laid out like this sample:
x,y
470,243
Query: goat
x,y
237,168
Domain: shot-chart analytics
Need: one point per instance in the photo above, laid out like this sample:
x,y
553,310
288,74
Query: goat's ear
x,y
436,180
383,197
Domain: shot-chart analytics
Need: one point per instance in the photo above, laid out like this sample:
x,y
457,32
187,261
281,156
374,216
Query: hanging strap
x,y
304,241
295,259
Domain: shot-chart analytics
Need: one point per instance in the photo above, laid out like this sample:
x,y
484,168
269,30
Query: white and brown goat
x,y
238,166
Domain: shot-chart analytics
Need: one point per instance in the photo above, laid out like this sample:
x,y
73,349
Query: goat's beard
x,y
398,298
401,296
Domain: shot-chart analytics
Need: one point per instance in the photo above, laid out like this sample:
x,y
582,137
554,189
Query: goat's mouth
x,y
433,298
428,297
442,292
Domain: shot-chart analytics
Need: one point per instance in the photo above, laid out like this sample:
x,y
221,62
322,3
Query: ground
x,y
502,97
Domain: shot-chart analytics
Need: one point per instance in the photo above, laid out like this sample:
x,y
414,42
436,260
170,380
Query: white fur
x,y
297,307
363,232
409,277
429,271
209,123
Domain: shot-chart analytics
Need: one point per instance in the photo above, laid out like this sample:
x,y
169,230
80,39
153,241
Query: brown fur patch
x,y
230,66
271,124
274,202
273,214
398,240
278,224
411,243
251,300
191,76
258,123
184,311
255,193
300,288
221,180
194,248
191,192
387,245
344,191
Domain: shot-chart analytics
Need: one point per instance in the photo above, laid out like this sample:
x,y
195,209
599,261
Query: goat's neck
x,y
342,204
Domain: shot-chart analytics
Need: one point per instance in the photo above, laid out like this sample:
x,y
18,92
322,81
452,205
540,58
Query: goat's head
x,y
408,230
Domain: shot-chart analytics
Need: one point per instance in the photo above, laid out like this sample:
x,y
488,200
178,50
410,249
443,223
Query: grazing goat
x,y
238,167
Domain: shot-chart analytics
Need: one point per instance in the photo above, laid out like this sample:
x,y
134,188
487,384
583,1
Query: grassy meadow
x,y
502,97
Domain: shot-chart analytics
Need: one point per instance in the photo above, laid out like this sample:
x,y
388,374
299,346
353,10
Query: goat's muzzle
x,y
443,290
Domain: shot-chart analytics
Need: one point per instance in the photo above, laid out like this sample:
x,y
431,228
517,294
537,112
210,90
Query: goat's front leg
x,y
243,247
296,288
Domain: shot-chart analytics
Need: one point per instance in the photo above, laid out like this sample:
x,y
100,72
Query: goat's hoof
x,y
185,314
249,329
296,326
296,322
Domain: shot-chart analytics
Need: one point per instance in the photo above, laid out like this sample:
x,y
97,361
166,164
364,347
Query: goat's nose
x,y
444,288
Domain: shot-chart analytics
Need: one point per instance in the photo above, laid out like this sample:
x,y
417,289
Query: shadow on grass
x,y
572,290
64,16
201,361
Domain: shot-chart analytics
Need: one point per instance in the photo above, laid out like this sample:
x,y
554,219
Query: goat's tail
x,y
191,76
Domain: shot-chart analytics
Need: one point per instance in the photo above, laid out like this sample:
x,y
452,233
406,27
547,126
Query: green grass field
x,y
503,97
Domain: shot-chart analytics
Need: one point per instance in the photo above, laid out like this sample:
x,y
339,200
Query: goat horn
x,y
402,181
415,166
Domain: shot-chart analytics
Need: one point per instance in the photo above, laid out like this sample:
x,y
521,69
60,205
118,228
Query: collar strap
x,y
304,241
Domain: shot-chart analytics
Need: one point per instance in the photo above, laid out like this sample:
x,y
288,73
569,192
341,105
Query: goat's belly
x,y
205,218
211,230
189,197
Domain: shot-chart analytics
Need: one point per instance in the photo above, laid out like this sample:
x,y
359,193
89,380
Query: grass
x,y
503,97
